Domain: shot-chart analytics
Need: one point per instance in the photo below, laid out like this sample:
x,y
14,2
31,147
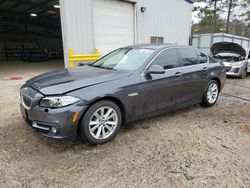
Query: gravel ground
x,y
193,147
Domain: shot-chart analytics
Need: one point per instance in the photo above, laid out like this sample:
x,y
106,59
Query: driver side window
x,y
168,59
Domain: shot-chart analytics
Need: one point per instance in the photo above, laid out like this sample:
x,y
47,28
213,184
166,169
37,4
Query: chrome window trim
x,y
150,63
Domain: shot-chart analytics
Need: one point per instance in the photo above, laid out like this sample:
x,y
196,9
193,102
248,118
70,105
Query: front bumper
x,y
54,123
234,71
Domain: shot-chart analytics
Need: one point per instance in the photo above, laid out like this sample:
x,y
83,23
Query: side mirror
x,y
155,69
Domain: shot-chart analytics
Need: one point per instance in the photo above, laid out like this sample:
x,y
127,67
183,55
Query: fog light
x,y
53,130
236,70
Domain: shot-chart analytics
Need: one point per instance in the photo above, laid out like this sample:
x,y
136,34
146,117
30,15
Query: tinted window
x,y
188,56
168,59
212,60
202,57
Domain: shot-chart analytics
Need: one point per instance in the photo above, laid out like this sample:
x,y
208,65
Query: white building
x,y
110,24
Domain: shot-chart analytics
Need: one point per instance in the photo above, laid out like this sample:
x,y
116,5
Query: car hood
x,y
227,47
66,80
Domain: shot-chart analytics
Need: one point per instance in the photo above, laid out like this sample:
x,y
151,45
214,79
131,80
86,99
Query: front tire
x,y
243,74
101,122
211,94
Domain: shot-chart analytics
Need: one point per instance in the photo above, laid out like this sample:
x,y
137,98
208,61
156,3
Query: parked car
x,y
248,61
130,83
34,54
234,57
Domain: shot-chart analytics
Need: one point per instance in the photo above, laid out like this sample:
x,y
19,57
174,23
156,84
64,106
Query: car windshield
x,y
124,59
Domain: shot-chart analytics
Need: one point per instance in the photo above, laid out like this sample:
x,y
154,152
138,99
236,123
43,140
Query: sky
x,y
195,18
238,10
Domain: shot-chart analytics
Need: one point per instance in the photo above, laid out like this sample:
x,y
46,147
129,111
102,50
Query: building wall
x,y
77,27
205,41
170,19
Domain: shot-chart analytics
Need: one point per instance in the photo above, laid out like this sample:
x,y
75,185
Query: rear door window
x,y
188,56
202,58
167,59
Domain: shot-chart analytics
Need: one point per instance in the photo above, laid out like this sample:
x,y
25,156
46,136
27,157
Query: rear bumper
x,y
54,123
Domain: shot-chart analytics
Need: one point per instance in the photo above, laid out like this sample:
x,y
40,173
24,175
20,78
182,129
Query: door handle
x,y
205,68
178,74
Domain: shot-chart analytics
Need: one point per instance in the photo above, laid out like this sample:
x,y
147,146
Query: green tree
x,y
232,16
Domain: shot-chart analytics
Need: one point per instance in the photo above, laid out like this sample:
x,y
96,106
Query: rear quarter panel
x,y
217,71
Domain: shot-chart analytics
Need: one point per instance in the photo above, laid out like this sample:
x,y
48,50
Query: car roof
x,y
156,46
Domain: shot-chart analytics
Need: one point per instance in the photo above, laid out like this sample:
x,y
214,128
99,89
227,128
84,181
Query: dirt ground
x,y
193,147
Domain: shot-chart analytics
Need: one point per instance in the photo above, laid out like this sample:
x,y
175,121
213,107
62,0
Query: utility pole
x,y
214,16
229,14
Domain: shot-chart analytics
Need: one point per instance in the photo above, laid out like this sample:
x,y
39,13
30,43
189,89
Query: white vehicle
x,y
248,60
235,58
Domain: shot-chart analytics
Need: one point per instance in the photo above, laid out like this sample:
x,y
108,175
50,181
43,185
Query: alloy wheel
x,y
212,93
103,123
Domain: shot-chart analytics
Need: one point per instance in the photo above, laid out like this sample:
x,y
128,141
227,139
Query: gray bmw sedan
x,y
128,84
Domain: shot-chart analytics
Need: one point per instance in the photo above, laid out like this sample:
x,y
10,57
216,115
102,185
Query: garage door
x,y
113,24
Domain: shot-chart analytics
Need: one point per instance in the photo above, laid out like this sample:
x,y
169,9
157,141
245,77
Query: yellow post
x,y
71,63
85,57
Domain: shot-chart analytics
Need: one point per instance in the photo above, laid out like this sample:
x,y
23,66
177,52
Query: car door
x,y
161,92
194,73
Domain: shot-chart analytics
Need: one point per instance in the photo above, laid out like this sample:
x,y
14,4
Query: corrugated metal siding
x,y
170,19
113,24
77,27
205,41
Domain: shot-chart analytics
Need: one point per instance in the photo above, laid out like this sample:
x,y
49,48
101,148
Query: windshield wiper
x,y
109,68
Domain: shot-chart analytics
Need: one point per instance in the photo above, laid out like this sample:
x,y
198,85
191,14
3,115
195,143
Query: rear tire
x,y
101,122
211,94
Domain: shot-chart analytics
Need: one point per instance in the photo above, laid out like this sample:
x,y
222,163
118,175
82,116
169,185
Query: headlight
x,y
59,101
239,63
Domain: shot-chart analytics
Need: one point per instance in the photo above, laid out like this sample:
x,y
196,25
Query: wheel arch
x,y
109,98
218,81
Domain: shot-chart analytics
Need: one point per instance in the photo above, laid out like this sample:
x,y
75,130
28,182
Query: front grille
x,y
26,101
228,69
236,70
